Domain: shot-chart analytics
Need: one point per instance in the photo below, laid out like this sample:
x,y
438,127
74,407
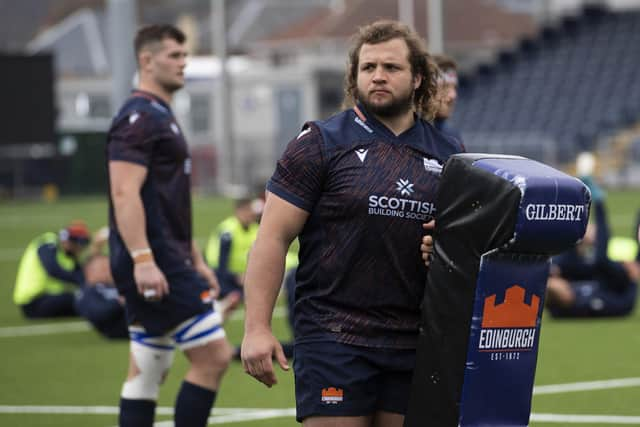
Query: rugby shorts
x,y
334,379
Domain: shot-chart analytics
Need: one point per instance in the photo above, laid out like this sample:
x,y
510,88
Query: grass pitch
x,y
69,376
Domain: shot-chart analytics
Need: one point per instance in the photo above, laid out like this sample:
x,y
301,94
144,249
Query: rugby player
x,y
167,286
355,189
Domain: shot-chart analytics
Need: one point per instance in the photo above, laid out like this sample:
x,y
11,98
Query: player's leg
x,y
149,361
101,307
394,386
388,419
209,353
46,306
560,294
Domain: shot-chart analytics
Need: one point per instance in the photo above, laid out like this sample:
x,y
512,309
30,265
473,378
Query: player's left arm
x,y
203,269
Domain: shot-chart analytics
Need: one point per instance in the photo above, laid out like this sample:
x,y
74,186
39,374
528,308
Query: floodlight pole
x,y
220,98
406,13
434,20
121,24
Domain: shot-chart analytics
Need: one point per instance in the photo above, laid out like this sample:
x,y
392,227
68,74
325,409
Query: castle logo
x,y
511,325
332,395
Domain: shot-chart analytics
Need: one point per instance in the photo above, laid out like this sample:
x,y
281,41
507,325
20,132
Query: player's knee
x,y
215,361
222,354
153,366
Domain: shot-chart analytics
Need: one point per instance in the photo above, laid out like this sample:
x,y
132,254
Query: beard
x,y
171,86
397,106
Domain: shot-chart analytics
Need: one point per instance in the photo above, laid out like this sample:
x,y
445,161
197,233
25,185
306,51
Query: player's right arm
x,y
126,180
281,222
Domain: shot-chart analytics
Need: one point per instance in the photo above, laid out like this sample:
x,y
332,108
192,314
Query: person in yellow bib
x,y
50,272
228,248
227,253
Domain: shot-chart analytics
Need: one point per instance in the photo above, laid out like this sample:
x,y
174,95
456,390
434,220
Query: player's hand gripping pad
x,y
499,218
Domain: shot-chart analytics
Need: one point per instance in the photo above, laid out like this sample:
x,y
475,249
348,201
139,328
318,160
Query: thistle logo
x,y
404,187
510,326
332,395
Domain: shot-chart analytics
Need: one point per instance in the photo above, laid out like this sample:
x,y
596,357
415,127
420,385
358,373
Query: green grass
x,y
83,369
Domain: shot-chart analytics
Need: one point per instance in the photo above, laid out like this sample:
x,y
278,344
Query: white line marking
x,y
230,415
108,410
240,416
70,327
586,385
76,410
45,329
585,419
248,416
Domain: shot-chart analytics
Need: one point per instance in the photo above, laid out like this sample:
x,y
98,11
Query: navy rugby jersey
x,y
361,276
145,132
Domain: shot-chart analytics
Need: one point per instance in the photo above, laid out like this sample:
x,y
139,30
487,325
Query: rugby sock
x,y
136,412
193,405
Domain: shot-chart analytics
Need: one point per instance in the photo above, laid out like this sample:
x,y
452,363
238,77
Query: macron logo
x,y
303,133
362,154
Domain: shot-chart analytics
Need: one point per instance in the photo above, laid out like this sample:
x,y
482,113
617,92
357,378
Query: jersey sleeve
x,y
132,138
48,258
300,172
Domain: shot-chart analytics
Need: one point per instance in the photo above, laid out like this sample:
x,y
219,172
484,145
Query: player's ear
x,y
144,58
417,81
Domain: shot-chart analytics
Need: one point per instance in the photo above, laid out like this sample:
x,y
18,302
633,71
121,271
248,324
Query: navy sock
x,y
136,412
193,405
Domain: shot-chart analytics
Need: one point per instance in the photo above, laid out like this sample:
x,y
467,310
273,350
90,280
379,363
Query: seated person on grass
x,y
98,300
598,277
50,272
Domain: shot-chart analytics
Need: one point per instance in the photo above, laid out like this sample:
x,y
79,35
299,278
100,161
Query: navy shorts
x,y
334,379
188,297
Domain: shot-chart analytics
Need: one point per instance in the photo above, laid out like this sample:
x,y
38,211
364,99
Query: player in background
x,y
355,189
98,300
597,278
448,82
50,273
228,248
227,252
167,286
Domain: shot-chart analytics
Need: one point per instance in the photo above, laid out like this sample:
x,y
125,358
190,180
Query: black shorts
x,y
334,379
188,297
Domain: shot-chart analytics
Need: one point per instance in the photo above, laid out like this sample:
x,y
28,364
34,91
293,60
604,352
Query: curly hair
x,y
425,100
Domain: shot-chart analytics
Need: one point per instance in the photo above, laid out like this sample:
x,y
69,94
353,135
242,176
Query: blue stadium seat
x,y
573,82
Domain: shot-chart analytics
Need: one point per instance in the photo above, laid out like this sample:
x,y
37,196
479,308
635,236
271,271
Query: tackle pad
x,y
499,219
